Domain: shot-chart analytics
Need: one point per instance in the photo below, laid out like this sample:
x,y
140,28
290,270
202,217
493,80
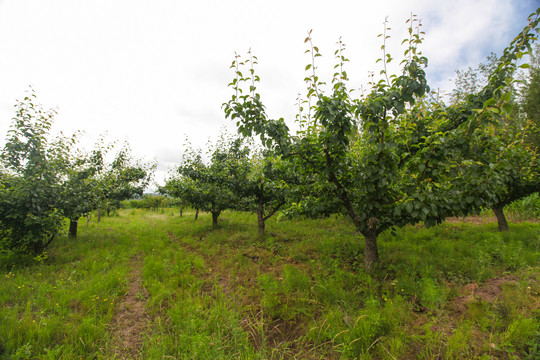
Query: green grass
x,y
299,292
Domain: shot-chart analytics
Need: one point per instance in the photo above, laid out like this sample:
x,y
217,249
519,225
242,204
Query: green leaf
x,y
409,206
507,108
489,102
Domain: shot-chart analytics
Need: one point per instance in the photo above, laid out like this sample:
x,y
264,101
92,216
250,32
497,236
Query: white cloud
x,y
463,33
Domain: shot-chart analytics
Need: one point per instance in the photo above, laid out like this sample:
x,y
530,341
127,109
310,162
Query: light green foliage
x,y
526,208
268,185
530,101
431,294
45,179
519,334
32,166
80,187
471,81
389,158
507,158
216,185
458,346
152,202
124,178
294,279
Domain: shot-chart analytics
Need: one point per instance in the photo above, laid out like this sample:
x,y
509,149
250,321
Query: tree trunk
x,y
108,212
260,216
38,247
215,215
181,210
260,222
73,228
371,254
501,219
196,214
88,218
99,215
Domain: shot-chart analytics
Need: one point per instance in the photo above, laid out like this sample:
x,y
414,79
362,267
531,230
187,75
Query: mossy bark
x,y
371,253
73,228
215,215
501,218
260,217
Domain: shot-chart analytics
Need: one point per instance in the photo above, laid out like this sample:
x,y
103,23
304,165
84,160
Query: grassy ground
x,y
158,286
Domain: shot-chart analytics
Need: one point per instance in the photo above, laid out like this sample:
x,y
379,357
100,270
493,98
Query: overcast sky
x,y
156,72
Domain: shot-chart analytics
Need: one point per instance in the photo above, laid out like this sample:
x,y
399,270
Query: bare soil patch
x,y
456,309
479,220
130,319
488,292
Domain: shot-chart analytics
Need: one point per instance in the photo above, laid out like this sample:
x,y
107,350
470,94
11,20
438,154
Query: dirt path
x,y
130,320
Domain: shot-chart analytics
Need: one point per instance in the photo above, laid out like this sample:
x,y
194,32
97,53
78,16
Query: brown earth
x,y
488,292
130,319
455,310
478,220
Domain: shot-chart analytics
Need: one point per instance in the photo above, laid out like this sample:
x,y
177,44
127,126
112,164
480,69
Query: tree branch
x,y
273,211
